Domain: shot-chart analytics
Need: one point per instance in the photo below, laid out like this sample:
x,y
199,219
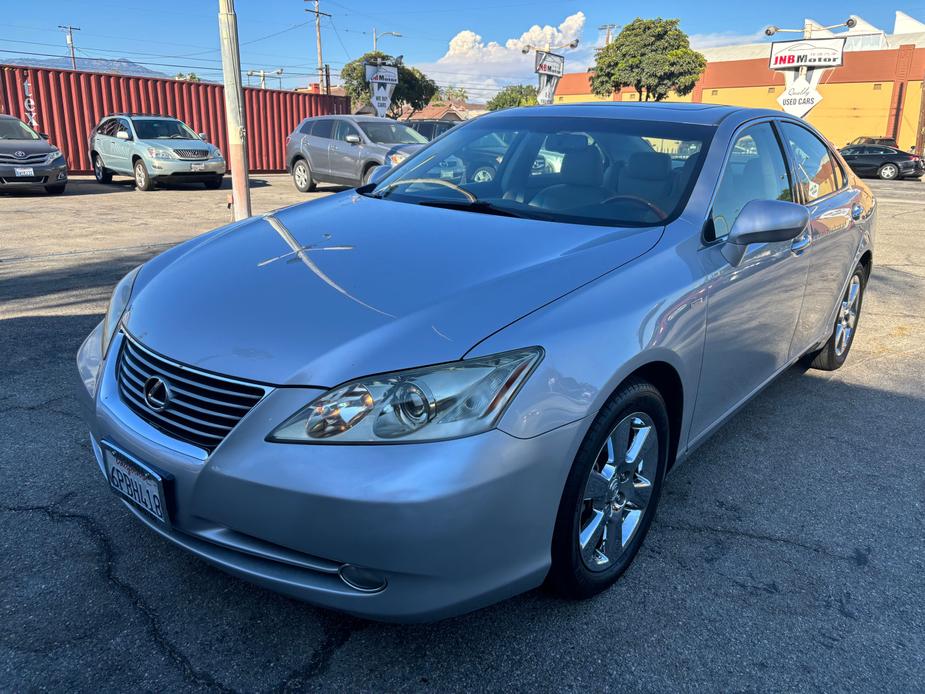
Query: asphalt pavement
x,y
788,553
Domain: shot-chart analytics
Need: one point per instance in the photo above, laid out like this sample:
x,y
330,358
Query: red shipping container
x,y
66,104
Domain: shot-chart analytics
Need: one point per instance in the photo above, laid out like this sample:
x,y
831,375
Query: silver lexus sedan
x,y
413,399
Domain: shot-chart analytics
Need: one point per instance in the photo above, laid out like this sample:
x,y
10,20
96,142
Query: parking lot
x,y
788,553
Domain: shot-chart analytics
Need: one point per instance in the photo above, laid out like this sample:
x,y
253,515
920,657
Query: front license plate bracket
x,y
141,484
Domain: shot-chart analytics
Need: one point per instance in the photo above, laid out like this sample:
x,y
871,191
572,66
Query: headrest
x,y
648,166
583,167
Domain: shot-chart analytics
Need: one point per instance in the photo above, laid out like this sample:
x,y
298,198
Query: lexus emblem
x,y
157,394
19,154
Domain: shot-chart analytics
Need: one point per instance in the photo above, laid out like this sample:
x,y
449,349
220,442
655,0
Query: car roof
x,y
355,118
702,114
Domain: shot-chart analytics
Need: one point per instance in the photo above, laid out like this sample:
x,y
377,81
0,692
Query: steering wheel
x,y
439,181
652,207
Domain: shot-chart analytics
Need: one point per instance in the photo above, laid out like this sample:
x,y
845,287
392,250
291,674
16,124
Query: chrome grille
x,y
202,407
28,159
192,153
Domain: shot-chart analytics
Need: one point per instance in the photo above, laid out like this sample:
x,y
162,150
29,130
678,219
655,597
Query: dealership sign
x,y
549,67
382,80
803,61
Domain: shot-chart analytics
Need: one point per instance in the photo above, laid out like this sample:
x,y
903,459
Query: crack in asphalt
x,y
107,566
337,631
859,557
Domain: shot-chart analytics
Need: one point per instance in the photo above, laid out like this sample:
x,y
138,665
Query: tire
x,y
143,179
55,189
577,570
302,176
835,351
214,183
366,174
102,174
888,171
483,174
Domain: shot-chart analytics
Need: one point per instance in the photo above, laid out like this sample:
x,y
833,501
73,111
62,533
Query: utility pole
x,y
318,15
70,41
234,109
609,28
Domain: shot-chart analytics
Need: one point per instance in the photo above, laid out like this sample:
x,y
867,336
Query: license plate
x,y
197,167
25,171
137,482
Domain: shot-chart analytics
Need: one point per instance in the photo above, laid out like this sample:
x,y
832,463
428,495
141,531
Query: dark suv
x,y
430,128
28,160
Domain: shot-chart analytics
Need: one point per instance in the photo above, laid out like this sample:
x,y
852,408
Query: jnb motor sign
x,y
803,62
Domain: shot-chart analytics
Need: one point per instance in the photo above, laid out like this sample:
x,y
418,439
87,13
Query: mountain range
x,y
119,66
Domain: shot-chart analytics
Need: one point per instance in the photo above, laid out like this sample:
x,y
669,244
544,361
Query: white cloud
x,y
469,58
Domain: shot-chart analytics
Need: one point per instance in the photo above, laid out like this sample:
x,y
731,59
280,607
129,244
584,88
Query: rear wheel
x,y
142,177
99,171
888,172
611,493
834,353
302,176
213,183
55,189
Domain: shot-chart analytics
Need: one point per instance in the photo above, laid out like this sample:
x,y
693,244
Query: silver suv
x,y
151,149
345,149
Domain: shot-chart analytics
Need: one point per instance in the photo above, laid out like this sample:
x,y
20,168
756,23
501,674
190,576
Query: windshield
x,y
11,129
567,169
392,133
163,129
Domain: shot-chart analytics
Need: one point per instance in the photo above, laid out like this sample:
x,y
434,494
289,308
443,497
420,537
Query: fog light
x,y
361,579
62,175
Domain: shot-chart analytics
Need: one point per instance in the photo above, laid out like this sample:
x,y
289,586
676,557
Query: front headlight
x,y
428,404
217,153
117,304
53,156
398,158
160,153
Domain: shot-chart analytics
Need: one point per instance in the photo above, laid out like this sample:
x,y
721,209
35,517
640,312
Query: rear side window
x,y
323,128
426,129
756,170
107,127
306,127
815,168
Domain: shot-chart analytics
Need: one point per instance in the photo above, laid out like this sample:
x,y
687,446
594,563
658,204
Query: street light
x,y
529,47
376,37
807,29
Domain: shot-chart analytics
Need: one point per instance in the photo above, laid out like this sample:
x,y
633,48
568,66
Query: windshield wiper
x,y
481,206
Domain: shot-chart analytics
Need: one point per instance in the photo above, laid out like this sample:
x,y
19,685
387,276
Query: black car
x,y
28,160
882,161
431,129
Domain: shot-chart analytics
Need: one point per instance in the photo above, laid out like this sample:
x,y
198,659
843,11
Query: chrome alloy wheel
x,y
300,173
889,171
140,175
847,316
618,491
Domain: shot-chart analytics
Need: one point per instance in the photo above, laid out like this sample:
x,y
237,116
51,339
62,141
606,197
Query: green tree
x,y
191,77
450,95
412,93
653,56
514,95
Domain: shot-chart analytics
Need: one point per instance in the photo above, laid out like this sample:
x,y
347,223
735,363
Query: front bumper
x,y
450,526
185,169
42,175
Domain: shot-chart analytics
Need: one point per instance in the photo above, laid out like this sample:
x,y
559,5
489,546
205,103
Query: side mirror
x,y
764,221
377,174
44,136
203,137
353,139
122,135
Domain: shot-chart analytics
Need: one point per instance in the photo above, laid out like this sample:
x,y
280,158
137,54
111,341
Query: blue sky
x,y
473,43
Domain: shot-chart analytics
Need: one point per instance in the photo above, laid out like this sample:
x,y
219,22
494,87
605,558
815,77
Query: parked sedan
x,y
419,397
345,149
884,162
27,160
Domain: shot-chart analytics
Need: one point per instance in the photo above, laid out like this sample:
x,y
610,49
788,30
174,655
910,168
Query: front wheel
x,y
611,492
302,177
142,177
834,353
888,172
99,171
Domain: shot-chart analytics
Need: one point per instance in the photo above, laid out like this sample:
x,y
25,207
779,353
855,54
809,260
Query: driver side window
x,y
756,170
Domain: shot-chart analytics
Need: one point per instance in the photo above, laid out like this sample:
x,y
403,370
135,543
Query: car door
x,y
344,157
121,148
752,307
316,144
835,209
870,159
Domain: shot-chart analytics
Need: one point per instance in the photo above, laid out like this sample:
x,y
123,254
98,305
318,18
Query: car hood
x,y
333,289
27,146
174,144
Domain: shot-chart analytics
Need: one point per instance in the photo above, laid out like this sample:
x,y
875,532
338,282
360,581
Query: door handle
x,y
856,211
802,242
